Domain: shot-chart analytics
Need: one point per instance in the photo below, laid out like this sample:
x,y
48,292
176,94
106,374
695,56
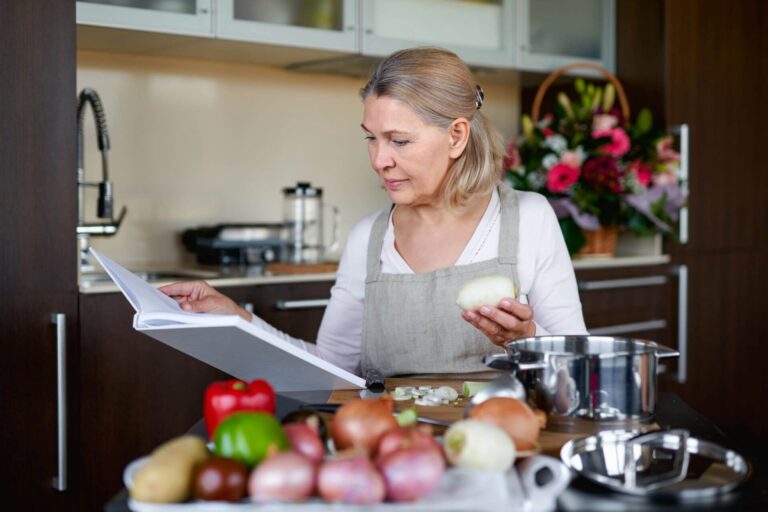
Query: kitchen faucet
x,y
104,208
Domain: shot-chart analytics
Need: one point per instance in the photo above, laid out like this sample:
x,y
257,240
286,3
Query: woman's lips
x,y
394,184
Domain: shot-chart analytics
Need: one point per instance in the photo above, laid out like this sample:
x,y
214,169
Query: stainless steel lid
x,y
666,464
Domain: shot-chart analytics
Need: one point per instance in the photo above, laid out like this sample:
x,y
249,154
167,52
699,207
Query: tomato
x,y
220,479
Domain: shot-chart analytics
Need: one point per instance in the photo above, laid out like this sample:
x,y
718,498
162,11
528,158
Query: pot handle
x,y
511,362
662,352
544,478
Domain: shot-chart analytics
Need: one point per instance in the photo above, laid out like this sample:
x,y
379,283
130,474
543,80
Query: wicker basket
x,y
602,242
557,73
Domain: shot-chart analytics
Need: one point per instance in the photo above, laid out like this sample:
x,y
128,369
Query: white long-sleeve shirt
x,y
544,269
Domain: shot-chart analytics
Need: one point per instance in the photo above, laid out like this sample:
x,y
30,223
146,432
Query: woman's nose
x,y
381,157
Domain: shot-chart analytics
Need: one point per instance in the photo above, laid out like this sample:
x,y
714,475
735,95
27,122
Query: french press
x,y
303,216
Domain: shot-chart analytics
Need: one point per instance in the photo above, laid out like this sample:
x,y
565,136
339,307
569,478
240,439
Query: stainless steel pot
x,y
595,377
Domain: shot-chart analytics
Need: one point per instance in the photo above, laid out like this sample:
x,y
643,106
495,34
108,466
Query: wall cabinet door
x,y
187,17
553,33
317,24
480,32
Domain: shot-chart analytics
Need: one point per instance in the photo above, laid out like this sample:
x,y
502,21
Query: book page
x,y
143,297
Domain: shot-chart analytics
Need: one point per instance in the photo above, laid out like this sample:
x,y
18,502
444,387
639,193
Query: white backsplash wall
x,y
197,142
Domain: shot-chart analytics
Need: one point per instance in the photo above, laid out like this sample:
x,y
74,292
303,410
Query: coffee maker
x,y
303,211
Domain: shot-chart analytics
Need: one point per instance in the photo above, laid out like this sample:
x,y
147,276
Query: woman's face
x,y
410,156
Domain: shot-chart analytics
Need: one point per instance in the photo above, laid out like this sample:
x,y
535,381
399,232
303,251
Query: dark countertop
x,y
672,412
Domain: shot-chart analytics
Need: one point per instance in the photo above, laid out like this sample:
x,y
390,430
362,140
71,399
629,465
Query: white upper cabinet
x,y
528,35
316,24
185,17
553,33
480,31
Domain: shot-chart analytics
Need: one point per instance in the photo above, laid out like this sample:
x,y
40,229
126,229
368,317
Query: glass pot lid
x,y
664,464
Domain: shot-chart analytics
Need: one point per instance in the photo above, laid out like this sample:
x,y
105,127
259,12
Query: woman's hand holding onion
x,y
508,320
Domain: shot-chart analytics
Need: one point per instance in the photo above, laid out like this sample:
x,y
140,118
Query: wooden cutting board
x,y
558,431
279,269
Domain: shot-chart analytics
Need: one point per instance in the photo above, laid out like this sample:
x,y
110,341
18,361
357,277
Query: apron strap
x,y
510,223
375,244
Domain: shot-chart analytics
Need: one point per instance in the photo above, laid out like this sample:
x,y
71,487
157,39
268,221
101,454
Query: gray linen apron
x,y
412,324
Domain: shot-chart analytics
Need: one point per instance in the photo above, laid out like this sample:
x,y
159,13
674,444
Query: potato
x,y
485,290
167,476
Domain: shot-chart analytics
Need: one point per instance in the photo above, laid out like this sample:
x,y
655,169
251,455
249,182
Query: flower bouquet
x,y
597,168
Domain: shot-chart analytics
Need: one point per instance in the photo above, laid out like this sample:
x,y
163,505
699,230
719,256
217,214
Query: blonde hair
x,y
440,88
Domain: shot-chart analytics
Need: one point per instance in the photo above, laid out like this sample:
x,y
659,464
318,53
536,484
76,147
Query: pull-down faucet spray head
x,y
88,95
105,201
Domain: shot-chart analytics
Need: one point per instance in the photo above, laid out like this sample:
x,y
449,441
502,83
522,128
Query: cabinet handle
x,y
685,148
649,325
284,305
682,323
60,320
629,282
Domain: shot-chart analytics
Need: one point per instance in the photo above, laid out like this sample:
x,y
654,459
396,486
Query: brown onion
x,y
360,424
514,417
351,480
412,472
284,476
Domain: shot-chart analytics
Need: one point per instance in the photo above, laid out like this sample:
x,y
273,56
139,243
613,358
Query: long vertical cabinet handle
x,y
685,151
60,320
682,323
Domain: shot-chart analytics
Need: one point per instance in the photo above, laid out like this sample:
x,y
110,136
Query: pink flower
x,y
665,151
512,158
560,177
619,144
643,172
571,159
601,173
603,122
667,177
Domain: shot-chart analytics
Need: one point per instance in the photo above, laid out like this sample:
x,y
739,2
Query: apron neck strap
x,y
510,223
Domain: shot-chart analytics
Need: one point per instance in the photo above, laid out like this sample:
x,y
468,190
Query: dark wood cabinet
x,y
136,392
38,276
710,74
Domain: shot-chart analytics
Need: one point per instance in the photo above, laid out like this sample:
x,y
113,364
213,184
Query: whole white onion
x,y
485,290
478,445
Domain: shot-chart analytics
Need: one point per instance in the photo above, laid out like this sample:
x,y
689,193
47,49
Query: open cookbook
x,y
227,342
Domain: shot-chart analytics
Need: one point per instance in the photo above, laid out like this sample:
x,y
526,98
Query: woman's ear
x,y
459,133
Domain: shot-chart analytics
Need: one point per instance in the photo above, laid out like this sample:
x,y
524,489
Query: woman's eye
x,y
400,142
369,138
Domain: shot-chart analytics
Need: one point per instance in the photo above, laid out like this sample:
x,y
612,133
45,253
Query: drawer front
x,y
635,302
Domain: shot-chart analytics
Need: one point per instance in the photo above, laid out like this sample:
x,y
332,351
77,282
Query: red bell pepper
x,y
225,397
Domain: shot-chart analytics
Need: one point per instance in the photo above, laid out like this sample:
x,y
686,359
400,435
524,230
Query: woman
x,y
393,305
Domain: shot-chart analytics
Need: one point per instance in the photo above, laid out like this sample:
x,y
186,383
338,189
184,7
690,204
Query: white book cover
x,y
226,342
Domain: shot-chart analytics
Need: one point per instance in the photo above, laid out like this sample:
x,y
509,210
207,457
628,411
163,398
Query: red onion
x,y
305,440
285,476
360,424
403,437
514,417
410,473
351,480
